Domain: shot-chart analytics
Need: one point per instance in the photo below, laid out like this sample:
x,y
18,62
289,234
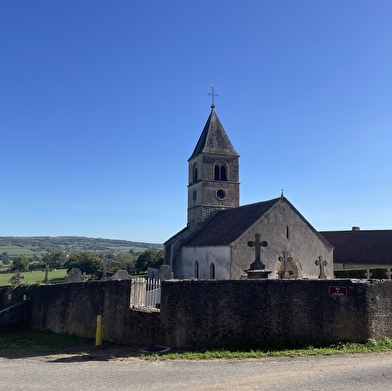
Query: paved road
x,y
341,372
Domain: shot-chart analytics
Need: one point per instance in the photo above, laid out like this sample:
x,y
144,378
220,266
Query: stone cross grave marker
x,y
368,274
286,259
257,244
388,273
105,269
46,279
320,262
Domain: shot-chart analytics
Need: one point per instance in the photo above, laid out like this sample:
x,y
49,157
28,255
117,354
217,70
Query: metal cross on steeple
x,y
212,93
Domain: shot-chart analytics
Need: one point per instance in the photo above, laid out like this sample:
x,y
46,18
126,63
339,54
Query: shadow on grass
x,y
52,347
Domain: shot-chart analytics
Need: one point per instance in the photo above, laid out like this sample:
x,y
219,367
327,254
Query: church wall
x,y
303,244
218,255
172,250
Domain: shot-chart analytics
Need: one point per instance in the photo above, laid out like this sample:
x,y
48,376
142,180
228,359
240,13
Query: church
x,y
219,239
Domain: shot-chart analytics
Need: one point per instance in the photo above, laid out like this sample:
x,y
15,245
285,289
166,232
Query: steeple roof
x,y
214,138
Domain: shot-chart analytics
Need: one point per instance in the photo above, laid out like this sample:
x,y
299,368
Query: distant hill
x,y
40,245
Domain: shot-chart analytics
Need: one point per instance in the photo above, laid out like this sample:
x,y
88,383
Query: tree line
x,y
88,262
72,244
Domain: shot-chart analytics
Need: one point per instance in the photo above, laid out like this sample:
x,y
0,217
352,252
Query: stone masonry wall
x,y
73,308
218,313
228,313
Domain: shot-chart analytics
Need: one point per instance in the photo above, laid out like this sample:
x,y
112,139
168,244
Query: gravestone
x,y
120,275
388,273
367,274
74,275
165,273
46,279
320,262
106,265
257,268
286,259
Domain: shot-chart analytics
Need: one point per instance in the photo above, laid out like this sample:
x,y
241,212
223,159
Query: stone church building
x,y
217,242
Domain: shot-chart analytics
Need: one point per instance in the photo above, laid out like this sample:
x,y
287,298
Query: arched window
x,y
194,173
196,273
220,171
223,173
216,173
212,271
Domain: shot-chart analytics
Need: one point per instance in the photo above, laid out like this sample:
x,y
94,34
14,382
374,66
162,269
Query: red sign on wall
x,y
337,291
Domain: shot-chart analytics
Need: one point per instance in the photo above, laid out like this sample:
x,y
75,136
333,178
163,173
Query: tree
x,y
146,258
4,258
125,261
86,261
20,263
55,259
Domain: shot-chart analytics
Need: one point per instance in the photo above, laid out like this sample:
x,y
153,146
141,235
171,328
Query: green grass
x,y
35,277
371,346
17,250
34,343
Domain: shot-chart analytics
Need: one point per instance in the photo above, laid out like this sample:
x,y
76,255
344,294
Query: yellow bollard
x,y
98,334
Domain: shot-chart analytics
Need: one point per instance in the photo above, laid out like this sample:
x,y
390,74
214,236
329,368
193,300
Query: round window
x,y
221,194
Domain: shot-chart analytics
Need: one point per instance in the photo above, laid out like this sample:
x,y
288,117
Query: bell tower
x,y
213,172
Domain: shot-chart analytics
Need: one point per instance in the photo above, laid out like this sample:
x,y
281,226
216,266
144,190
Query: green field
x,y
54,276
17,250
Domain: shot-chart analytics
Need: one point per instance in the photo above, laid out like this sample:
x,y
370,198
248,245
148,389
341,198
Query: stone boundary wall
x,y
239,312
213,313
15,316
73,308
4,301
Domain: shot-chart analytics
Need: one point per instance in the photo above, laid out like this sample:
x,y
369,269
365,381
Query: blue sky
x,y
102,103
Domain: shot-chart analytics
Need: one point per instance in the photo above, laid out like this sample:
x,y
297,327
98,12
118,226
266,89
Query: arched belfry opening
x,y
220,171
195,173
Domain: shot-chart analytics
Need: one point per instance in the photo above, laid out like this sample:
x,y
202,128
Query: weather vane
x,y
212,93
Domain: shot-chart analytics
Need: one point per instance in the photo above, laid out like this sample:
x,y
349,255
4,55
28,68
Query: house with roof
x,y
217,241
361,248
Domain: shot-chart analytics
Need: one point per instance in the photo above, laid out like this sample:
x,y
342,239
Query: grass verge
x,y
27,343
371,346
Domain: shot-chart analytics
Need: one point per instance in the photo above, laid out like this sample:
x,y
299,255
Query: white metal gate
x,y
145,293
